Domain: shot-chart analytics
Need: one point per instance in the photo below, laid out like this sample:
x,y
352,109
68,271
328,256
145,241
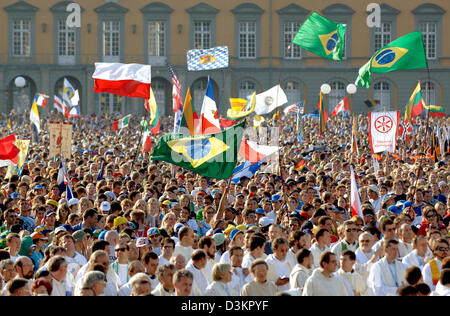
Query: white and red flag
x,y
341,106
253,152
355,202
129,80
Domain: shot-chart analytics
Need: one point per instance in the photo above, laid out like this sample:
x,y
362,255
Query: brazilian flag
x,y
406,52
212,155
321,36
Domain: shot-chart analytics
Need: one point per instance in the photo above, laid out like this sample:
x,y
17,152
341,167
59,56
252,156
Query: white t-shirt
x,y
122,272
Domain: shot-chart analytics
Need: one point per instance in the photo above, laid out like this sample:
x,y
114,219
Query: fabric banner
x,y
60,138
23,145
383,130
207,59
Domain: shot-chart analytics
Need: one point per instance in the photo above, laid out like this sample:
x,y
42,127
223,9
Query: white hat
x,y
105,206
373,188
60,228
73,201
265,221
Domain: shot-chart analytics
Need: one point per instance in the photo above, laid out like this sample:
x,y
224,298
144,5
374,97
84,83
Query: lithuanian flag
x,y
189,114
415,104
435,111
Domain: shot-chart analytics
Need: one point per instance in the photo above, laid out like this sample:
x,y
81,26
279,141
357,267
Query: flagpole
x,y
426,138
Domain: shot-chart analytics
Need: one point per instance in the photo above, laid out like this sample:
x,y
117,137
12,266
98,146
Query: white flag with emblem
x,y
383,129
269,100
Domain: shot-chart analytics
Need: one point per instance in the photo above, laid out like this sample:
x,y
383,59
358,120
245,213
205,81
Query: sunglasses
x,y
120,249
154,236
442,248
351,230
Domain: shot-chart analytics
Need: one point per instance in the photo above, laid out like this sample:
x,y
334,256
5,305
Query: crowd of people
x,y
150,228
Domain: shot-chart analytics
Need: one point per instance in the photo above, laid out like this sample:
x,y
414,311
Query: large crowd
x,y
151,228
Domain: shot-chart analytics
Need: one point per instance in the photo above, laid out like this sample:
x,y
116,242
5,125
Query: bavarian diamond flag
x,y
207,59
321,36
406,52
212,155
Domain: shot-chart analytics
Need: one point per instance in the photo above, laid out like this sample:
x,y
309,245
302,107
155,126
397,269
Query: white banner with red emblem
x,y
383,129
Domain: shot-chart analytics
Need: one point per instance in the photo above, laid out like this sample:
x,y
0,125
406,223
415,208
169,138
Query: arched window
x,y
110,103
198,91
336,95
160,89
293,92
382,94
59,85
246,88
429,93
20,99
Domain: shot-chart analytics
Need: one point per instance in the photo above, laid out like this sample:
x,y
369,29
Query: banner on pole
x,y
60,138
383,129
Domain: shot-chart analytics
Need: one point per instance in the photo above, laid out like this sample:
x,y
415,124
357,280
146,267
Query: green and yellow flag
x,y
322,36
406,52
237,114
189,114
211,155
415,104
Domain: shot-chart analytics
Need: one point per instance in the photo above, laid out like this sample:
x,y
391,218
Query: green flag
x,y
406,52
322,37
212,155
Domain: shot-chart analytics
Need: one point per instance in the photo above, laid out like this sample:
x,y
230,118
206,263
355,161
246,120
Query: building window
x,y
246,88
428,30
382,94
21,37
293,92
383,35
156,38
160,91
202,35
291,50
110,103
429,93
247,39
111,38
199,92
337,93
66,39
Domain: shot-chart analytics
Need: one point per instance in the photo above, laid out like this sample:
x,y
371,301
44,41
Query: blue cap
x,y
214,192
177,228
102,234
275,197
39,186
217,230
394,209
14,195
406,205
260,211
234,233
153,230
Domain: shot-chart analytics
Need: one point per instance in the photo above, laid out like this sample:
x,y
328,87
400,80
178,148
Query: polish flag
x,y
342,106
355,202
129,80
254,152
9,153
209,117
